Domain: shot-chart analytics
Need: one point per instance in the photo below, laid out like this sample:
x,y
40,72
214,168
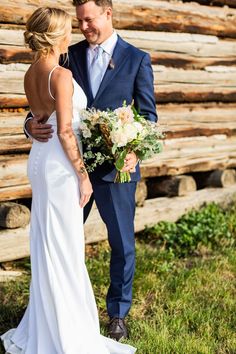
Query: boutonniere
x,y
111,64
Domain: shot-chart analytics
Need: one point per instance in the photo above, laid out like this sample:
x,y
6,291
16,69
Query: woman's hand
x,y
86,191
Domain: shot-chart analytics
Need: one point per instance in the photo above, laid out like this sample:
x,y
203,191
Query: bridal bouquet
x,y
111,135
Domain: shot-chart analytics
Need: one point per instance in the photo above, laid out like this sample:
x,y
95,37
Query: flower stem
x,y
122,177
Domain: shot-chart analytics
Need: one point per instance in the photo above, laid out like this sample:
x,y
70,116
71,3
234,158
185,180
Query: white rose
x,y
125,114
130,131
118,137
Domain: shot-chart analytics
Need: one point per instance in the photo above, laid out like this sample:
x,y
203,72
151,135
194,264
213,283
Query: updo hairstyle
x,y
45,28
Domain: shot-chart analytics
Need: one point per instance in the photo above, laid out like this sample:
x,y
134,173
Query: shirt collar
x,y
108,45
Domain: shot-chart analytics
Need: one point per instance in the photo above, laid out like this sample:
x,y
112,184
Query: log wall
x,y
193,51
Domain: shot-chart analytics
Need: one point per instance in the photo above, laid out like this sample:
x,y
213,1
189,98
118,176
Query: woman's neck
x,y
50,59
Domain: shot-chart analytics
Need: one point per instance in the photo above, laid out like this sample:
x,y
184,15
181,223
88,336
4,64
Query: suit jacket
x,y
130,79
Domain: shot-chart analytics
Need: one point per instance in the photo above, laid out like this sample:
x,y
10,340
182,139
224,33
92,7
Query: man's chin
x,y
92,39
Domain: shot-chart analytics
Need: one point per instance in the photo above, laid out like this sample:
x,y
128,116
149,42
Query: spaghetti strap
x,y
49,79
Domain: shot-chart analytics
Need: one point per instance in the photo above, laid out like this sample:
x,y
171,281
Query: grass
x,y
184,302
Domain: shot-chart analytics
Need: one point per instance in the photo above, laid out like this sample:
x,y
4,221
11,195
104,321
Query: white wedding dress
x,y
61,317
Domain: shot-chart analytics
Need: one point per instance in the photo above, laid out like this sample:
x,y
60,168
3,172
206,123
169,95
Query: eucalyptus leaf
x,y
120,162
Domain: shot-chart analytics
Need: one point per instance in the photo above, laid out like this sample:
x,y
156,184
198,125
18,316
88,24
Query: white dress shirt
x,y
108,47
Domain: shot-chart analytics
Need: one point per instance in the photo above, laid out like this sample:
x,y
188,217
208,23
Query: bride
x,y
61,317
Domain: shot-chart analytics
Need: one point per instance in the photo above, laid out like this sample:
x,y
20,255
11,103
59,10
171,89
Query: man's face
x,y
95,22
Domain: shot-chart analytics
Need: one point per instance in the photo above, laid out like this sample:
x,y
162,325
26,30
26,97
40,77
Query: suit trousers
x,y
116,205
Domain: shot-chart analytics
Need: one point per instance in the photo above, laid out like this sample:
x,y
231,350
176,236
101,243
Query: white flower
x,y
85,130
125,114
130,131
118,137
122,134
138,126
87,133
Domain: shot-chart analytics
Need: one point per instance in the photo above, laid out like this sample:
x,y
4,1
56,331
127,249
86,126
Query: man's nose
x,y
83,25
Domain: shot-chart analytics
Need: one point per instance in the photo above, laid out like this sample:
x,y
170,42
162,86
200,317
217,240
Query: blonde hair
x,y
45,28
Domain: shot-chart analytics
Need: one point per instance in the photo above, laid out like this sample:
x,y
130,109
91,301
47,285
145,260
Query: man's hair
x,y
101,3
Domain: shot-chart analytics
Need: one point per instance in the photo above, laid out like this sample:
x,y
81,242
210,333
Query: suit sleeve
x,y
28,117
144,98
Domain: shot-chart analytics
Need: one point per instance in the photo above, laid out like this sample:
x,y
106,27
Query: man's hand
x,y
38,130
131,161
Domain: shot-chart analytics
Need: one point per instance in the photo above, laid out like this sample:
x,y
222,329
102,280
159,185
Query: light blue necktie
x,y
96,70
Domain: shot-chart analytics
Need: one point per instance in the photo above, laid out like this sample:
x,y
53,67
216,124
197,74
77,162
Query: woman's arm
x,y
62,88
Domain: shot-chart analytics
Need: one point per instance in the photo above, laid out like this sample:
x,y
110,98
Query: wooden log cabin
x,y
193,51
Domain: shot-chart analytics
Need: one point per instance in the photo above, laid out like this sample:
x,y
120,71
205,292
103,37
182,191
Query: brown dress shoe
x,y
117,329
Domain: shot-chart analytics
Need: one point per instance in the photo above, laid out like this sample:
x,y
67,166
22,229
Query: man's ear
x,y
109,12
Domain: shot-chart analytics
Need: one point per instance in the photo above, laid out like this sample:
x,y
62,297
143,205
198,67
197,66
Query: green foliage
x,y
95,157
211,227
120,161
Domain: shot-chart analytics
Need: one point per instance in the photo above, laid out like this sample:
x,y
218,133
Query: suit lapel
x,y
118,58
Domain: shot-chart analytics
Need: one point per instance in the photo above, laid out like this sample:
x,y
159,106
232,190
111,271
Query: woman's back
x,y
39,82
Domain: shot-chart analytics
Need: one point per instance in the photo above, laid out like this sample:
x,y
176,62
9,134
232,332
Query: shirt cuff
x,y
25,130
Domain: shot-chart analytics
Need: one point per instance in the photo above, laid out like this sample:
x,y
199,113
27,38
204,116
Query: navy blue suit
x,y
129,79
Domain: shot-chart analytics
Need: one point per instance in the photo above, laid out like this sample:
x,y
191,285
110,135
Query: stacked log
x,y
14,244
217,178
231,3
171,186
13,215
154,15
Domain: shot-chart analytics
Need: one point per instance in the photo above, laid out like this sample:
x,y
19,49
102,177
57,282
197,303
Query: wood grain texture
x,y
15,192
197,119
14,244
230,3
214,83
13,170
171,186
176,121
16,54
216,178
179,156
149,15
171,49
14,144
12,100
184,155
13,215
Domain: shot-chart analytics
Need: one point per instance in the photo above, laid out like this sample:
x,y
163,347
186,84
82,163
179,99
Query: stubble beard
x,y
92,37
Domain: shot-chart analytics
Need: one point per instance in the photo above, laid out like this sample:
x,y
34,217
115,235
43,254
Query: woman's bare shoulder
x,y
61,81
62,73
28,73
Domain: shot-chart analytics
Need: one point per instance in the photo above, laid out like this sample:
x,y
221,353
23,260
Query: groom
x,y
110,71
